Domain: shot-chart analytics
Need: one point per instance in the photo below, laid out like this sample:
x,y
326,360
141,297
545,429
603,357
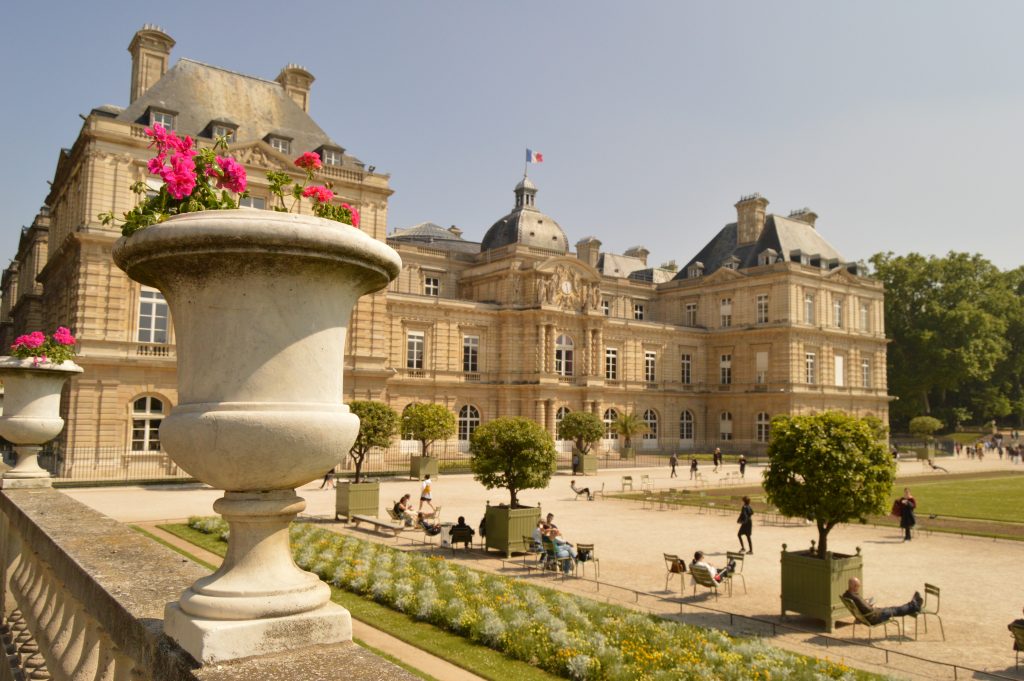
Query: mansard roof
x,y
431,235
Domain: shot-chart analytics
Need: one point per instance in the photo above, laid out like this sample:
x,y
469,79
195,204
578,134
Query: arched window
x,y
725,426
610,416
563,356
651,419
763,426
147,413
559,415
469,420
686,425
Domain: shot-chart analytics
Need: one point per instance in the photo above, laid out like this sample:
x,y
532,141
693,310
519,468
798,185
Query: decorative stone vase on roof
x,y
526,225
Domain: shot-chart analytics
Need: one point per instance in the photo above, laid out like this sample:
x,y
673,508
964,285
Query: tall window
x,y
471,354
152,316
469,420
763,427
686,364
726,311
762,308
414,350
840,366
563,356
650,366
725,426
611,364
560,415
609,418
761,368
431,286
638,311
690,316
865,317
837,312
686,425
809,363
147,412
865,373
651,421
809,308
725,369
606,307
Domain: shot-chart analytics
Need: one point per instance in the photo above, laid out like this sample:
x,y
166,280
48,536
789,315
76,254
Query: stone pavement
x,y
980,578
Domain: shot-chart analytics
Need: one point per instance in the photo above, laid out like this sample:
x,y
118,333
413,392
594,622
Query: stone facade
x,y
514,325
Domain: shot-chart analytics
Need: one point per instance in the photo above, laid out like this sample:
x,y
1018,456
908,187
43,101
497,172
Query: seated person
x,y
550,521
879,615
537,538
403,509
578,491
461,526
429,528
563,549
716,574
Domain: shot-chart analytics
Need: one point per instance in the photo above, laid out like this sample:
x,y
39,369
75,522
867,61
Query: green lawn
x,y
999,498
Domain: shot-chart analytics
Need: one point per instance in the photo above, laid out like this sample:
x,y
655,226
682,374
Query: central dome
x,y
526,225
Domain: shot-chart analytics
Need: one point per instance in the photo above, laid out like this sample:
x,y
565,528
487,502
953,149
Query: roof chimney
x,y
805,215
588,250
638,252
750,218
296,82
151,51
456,232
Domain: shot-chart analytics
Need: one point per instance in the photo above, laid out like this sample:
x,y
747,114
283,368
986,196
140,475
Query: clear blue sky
x,y
899,123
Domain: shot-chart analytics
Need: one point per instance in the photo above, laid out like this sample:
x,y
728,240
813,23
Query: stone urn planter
x,y
422,466
260,302
31,415
506,527
351,498
812,586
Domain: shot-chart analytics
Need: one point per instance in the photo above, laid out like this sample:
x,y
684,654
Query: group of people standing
x,y
717,460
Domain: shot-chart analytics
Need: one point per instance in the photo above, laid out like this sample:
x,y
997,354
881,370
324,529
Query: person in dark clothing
x,y
879,615
673,461
746,521
743,466
328,480
907,518
693,468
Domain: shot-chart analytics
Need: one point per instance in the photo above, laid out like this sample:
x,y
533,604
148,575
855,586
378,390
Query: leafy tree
x,y
514,454
828,467
584,428
427,422
924,427
629,426
377,425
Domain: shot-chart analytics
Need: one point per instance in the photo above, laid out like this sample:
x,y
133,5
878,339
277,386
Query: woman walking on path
x,y
746,521
907,519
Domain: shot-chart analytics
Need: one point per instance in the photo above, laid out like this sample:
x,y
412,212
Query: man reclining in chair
x,y
879,615
716,574
585,490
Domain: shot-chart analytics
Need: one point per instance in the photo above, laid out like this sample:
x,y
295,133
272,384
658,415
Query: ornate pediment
x,y
259,155
569,284
722,274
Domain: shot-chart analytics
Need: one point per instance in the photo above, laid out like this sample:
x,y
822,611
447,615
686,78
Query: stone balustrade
x,y
84,599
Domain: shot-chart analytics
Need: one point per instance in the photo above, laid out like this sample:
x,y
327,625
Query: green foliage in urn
x,y
924,427
377,425
629,426
829,468
427,423
513,454
583,428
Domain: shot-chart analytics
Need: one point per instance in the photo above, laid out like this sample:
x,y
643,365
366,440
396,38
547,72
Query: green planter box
x,y
351,499
812,586
589,462
506,527
923,453
421,466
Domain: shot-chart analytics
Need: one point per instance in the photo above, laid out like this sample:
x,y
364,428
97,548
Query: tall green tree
x,y
377,425
583,428
427,422
828,467
513,454
629,425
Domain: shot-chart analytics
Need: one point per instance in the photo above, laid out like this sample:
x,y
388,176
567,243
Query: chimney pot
x,y
151,51
296,82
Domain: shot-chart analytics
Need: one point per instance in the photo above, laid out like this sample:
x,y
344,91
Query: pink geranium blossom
x,y
63,336
319,193
231,175
180,176
30,341
354,213
309,160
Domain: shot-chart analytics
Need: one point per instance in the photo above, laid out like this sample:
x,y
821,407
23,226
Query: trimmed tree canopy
x,y
581,427
514,454
830,468
924,426
428,422
377,425
629,426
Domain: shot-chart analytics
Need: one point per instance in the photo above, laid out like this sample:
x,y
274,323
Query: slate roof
x,y
614,265
780,234
432,235
198,93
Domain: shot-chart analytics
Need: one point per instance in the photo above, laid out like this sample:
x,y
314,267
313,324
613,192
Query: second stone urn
x,y
260,303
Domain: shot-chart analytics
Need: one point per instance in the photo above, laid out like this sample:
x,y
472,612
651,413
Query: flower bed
x,y
567,635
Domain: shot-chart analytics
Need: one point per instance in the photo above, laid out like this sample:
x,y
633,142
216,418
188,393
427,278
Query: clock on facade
x,y
567,287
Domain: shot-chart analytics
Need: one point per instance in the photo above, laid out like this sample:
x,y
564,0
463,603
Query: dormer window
x,y
733,263
695,270
280,144
766,257
164,118
331,157
219,130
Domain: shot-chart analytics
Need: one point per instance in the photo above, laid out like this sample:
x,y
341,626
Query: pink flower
x,y
63,336
319,193
31,341
161,138
353,212
156,164
180,176
309,160
232,176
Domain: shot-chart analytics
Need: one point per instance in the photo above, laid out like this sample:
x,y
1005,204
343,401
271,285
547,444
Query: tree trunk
x,y
927,404
823,531
515,501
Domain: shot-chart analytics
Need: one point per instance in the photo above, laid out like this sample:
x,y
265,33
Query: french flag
x,y
534,156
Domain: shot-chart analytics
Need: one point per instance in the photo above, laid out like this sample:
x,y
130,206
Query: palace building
x,y
766,318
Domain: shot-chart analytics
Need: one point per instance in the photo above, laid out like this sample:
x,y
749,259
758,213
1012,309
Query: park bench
x,y
378,524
